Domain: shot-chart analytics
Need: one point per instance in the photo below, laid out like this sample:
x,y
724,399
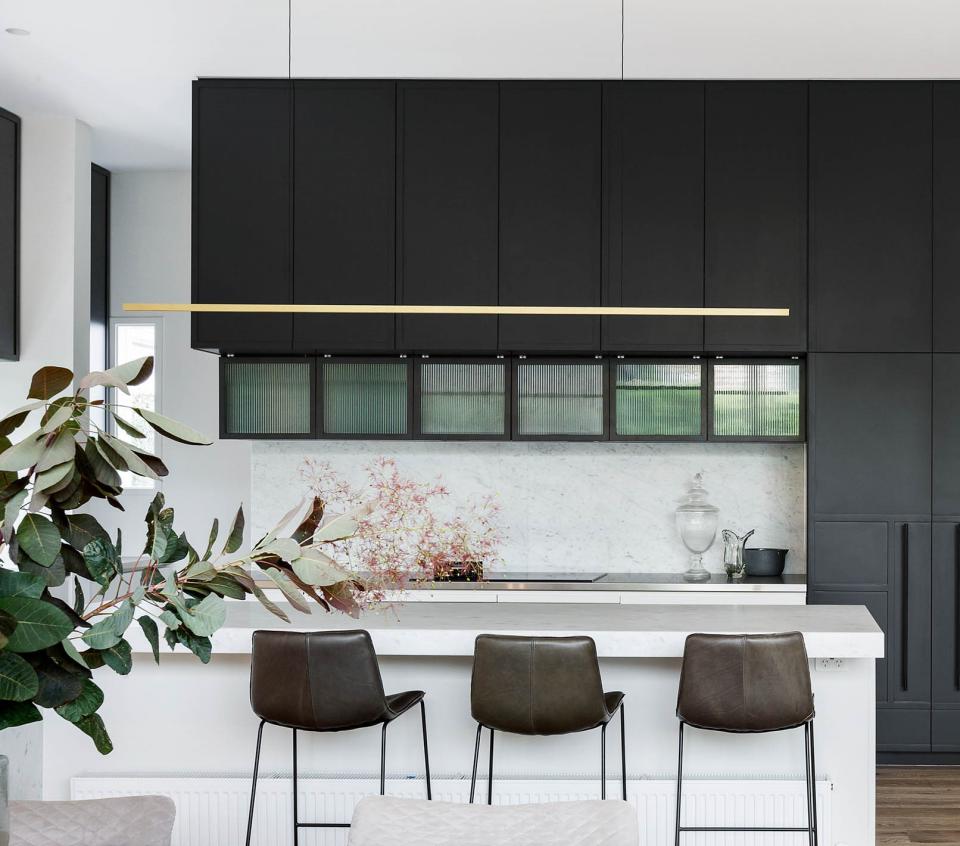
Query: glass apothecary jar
x,y
697,522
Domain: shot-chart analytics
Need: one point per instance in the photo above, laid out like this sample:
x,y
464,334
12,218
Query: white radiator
x,y
212,810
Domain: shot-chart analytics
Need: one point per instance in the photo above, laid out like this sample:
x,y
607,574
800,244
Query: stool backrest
x,y
320,681
536,685
745,683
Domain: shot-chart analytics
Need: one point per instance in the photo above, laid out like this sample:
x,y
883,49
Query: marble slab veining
x,y
573,506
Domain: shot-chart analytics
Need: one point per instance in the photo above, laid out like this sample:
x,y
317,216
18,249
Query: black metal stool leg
x,y
603,761
490,773
813,786
426,754
476,761
253,785
383,759
623,752
676,838
296,818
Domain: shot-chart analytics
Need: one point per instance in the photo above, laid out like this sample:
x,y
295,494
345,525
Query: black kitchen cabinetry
x,y
550,212
946,216
242,212
870,216
653,202
344,198
447,223
756,213
9,235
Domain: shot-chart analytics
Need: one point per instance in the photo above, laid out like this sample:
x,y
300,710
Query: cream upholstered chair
x,y
121,821
388,821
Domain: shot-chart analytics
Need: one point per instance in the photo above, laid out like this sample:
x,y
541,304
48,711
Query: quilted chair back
x,y
123,821
388,821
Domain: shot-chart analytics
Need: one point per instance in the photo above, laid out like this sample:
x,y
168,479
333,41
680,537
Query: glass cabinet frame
x,y
599,361
423,360
320,394
226,360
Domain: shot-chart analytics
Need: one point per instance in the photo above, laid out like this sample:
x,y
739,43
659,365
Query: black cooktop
x,y
585,578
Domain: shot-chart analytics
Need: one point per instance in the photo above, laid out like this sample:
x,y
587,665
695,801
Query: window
x,y
134,339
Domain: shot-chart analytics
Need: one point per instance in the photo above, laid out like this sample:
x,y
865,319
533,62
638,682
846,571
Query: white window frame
x,y
157,324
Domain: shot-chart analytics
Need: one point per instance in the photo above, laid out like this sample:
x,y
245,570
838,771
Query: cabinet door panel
x,y
909,610
870,434
653,178
550,212
946,613
9,234
756,213
870,216
946,434
345,216
448,212
946,217
945,730
241,212
849,553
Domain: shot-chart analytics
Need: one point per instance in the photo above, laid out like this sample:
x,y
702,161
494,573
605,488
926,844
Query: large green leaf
x,y
61,449
152,634
304,532
198,645
15,583
315,568
73,653
110,454
18,681
289,589
214,531
102,560
53,576
270,606
133,462
93,726
103,471
39,624
102,634
173,429
127,428
89,700
48,382
225,585
122,617
134,372
55,477
56,417
7,624
58,685
101,378
39,538
341,527
235,538
74,563
13,419
23,454
118,657
18,714
85,528
204,618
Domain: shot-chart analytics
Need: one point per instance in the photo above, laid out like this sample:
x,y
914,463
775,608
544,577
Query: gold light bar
x,y
541,311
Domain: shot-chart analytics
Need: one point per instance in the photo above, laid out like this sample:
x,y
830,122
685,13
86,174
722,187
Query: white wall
x,y
150,262
55,266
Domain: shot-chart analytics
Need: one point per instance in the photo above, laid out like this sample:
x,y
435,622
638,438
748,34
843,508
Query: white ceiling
x,y
125,66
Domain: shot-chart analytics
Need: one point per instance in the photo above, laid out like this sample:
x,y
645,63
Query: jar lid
x,y
696,498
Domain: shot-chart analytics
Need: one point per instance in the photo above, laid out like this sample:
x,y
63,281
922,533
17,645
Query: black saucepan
x,y
764,562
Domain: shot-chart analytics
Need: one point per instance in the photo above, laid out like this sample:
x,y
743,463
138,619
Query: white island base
x,y
196,735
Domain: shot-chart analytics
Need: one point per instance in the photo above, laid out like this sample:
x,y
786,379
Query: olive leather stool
x,y
748,684
541,686
323,681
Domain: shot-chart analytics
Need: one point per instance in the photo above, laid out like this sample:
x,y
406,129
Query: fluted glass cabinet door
x,y
756,401
462,399
658,399
562,399
269,398
368,398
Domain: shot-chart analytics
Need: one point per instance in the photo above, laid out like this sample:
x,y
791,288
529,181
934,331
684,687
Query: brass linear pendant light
x,y
530,311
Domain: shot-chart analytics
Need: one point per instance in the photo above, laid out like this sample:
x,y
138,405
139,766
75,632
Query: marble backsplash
x,y
573,506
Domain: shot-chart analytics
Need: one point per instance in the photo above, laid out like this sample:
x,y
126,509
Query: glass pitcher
x,y
733,546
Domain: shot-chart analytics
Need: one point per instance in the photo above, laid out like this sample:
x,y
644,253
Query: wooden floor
x,y
918,805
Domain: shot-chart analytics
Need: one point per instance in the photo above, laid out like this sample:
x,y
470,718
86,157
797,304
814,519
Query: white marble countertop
x,y
621,631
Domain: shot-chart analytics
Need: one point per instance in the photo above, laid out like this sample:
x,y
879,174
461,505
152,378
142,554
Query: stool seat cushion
x,y
400,703
388,821
120,821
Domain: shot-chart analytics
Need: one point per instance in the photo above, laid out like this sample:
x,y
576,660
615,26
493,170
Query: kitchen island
x,y
205,714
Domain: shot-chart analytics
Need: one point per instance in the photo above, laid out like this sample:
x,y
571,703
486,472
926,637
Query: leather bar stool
x,y
748,684
541,686
323,682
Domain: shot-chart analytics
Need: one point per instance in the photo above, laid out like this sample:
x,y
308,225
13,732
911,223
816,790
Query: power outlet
x,y
829,665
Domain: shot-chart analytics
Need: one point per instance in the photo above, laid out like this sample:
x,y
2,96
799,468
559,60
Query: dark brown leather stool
x,y
541,685
323,681
748,684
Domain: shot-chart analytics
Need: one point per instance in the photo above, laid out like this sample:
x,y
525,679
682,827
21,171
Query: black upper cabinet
x,y
870,427
653,185
550,212
870,216
946,435
756,213
946,217
9,234
447,223
241,212
344,179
